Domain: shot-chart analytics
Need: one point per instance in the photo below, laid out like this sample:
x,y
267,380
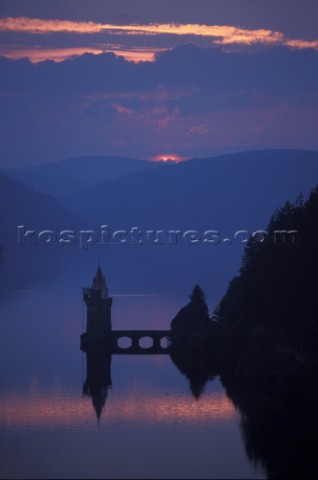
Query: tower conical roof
x,y
99,282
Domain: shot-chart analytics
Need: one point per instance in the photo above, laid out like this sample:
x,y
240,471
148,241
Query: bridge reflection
x,y
98,362
99,355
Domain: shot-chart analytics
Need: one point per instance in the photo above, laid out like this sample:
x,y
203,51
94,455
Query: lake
x,y
150,425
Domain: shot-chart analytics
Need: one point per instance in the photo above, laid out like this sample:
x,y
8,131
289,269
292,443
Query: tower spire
x,y
99,282
98,302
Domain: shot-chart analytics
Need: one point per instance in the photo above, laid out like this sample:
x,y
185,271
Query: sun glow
x,y
167,158
37,410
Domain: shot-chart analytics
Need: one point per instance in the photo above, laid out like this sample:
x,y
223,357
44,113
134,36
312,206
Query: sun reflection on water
x,y
37,410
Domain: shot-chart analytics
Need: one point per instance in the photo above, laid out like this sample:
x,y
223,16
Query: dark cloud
x,y
192,101
277,71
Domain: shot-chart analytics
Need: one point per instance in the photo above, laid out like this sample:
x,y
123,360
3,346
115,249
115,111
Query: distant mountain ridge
x,y
229,193
233,190
67,176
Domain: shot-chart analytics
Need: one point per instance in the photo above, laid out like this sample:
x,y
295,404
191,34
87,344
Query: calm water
x,y
150,425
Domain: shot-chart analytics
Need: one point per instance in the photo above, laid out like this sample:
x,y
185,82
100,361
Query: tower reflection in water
x,y
98,378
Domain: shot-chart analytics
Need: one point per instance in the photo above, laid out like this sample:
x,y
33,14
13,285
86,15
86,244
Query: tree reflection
x,y
195,367
281,438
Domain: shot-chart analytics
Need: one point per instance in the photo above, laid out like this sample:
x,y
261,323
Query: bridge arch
x,y
164,343
124,342
146,342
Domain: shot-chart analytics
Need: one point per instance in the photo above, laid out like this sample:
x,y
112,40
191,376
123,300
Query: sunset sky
x,y
156,79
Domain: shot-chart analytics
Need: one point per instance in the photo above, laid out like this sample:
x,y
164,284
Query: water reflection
x,y
152,408
280,438
196,369
98,378
49,406
36,409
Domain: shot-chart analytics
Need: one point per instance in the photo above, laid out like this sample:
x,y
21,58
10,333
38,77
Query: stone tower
x,y
98,327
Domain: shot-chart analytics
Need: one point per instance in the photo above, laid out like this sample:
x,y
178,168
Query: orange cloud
x,y
219,35
122,110
227,34
302,43
38,25
38,54
159,116
203,129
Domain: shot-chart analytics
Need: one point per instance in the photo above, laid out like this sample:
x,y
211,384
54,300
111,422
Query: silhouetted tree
x,y
268,317
198,302
268,338
192,328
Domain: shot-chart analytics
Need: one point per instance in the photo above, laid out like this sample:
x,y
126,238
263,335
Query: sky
x,y
156,79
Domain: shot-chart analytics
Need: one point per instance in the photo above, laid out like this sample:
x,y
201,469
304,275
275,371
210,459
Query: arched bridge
x,y
135,336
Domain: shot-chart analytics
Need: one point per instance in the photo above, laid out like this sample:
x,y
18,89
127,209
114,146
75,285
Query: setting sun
x,y
167,158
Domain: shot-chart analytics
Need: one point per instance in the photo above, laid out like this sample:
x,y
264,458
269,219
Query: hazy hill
x,y
229,192
67,176
23,265
21,205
